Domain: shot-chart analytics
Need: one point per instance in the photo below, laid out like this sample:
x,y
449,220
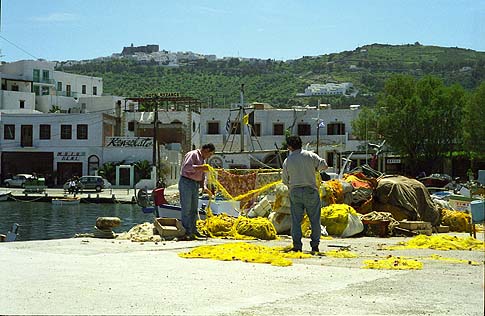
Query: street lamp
x,y
320,123
354,107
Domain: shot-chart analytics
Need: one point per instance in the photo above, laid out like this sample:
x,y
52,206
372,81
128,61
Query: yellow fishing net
x,y
452,260
335,218
245,252
225,226
340,254
441,242
213,182
393,263
334,192
456,220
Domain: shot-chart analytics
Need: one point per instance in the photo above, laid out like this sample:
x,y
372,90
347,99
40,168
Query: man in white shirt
x,y
299,174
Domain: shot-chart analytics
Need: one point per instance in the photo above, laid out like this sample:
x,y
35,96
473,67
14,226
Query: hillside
x,y
217,82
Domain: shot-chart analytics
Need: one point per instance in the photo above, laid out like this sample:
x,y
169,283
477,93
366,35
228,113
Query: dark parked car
x,y
96,183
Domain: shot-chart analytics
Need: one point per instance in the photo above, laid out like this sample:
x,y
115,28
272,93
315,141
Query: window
x,y
95,90
36,75
93,164
9,131
213,128
278,129
59,86
336,129
37,90
15,87
68,90
304,129
66,132
83,89
82,131
44,131
256,129
131,126
45,75
22,104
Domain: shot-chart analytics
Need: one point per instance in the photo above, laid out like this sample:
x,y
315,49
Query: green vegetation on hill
x,y
217,83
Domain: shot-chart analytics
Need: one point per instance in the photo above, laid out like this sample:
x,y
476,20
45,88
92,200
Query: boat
x,y
4,195
66,201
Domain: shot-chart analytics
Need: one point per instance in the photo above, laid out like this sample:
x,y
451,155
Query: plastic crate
x,y
478,211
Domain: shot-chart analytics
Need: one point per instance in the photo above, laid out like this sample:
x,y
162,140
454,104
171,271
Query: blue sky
x,y
276,29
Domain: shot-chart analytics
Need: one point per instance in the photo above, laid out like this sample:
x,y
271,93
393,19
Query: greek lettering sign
x,y
70,155
394,161
165,94
129,142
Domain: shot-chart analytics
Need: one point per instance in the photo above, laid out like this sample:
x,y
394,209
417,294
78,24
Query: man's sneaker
x,y
186,238
198,234
315,250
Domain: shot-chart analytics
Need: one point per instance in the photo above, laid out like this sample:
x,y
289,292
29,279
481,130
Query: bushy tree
x,y
474,122
420,120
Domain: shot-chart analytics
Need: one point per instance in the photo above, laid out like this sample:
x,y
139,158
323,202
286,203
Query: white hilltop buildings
x,y
58,125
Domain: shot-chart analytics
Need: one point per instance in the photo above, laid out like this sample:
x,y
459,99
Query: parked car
x,y
17,180
96,183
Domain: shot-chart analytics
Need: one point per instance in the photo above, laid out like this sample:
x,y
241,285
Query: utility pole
x,y
155,141
241,112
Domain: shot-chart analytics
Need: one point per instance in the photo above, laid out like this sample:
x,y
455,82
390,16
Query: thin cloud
x,y
56,17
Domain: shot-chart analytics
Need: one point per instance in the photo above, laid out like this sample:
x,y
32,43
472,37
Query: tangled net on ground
x,y
441,242
245,252
393,263
225,226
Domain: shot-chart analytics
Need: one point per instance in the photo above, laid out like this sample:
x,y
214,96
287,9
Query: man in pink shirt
x,y
192,177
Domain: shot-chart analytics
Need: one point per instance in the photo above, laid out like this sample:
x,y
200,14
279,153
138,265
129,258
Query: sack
x,y
354,226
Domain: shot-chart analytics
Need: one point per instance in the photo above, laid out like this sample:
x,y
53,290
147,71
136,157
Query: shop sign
x,y
132,142
394,161
70,155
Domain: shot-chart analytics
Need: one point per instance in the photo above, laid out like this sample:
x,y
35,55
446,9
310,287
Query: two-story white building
x,y
324,130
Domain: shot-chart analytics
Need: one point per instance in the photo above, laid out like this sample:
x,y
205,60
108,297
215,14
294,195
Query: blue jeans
x,y
189,200
305,199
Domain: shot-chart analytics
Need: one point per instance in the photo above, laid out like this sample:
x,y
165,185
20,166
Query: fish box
x,y
460,202
478,210
169,227
415,225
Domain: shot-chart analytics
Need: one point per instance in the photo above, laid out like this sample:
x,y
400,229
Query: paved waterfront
x,y
88,276
105,196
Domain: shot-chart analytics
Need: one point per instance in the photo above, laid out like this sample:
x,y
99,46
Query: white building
x,y
59,124
267,134
316,89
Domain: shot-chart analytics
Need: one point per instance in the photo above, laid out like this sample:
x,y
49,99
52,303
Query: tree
x,y
420,120
473,122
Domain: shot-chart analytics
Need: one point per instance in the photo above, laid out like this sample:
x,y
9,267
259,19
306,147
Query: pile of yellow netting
x,y
334,192
335,218
456,220
441,242
452,260
340,254
247,253
393,263
225,226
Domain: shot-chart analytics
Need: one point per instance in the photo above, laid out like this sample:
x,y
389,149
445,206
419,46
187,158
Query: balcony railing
x,y
43,80
64,94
